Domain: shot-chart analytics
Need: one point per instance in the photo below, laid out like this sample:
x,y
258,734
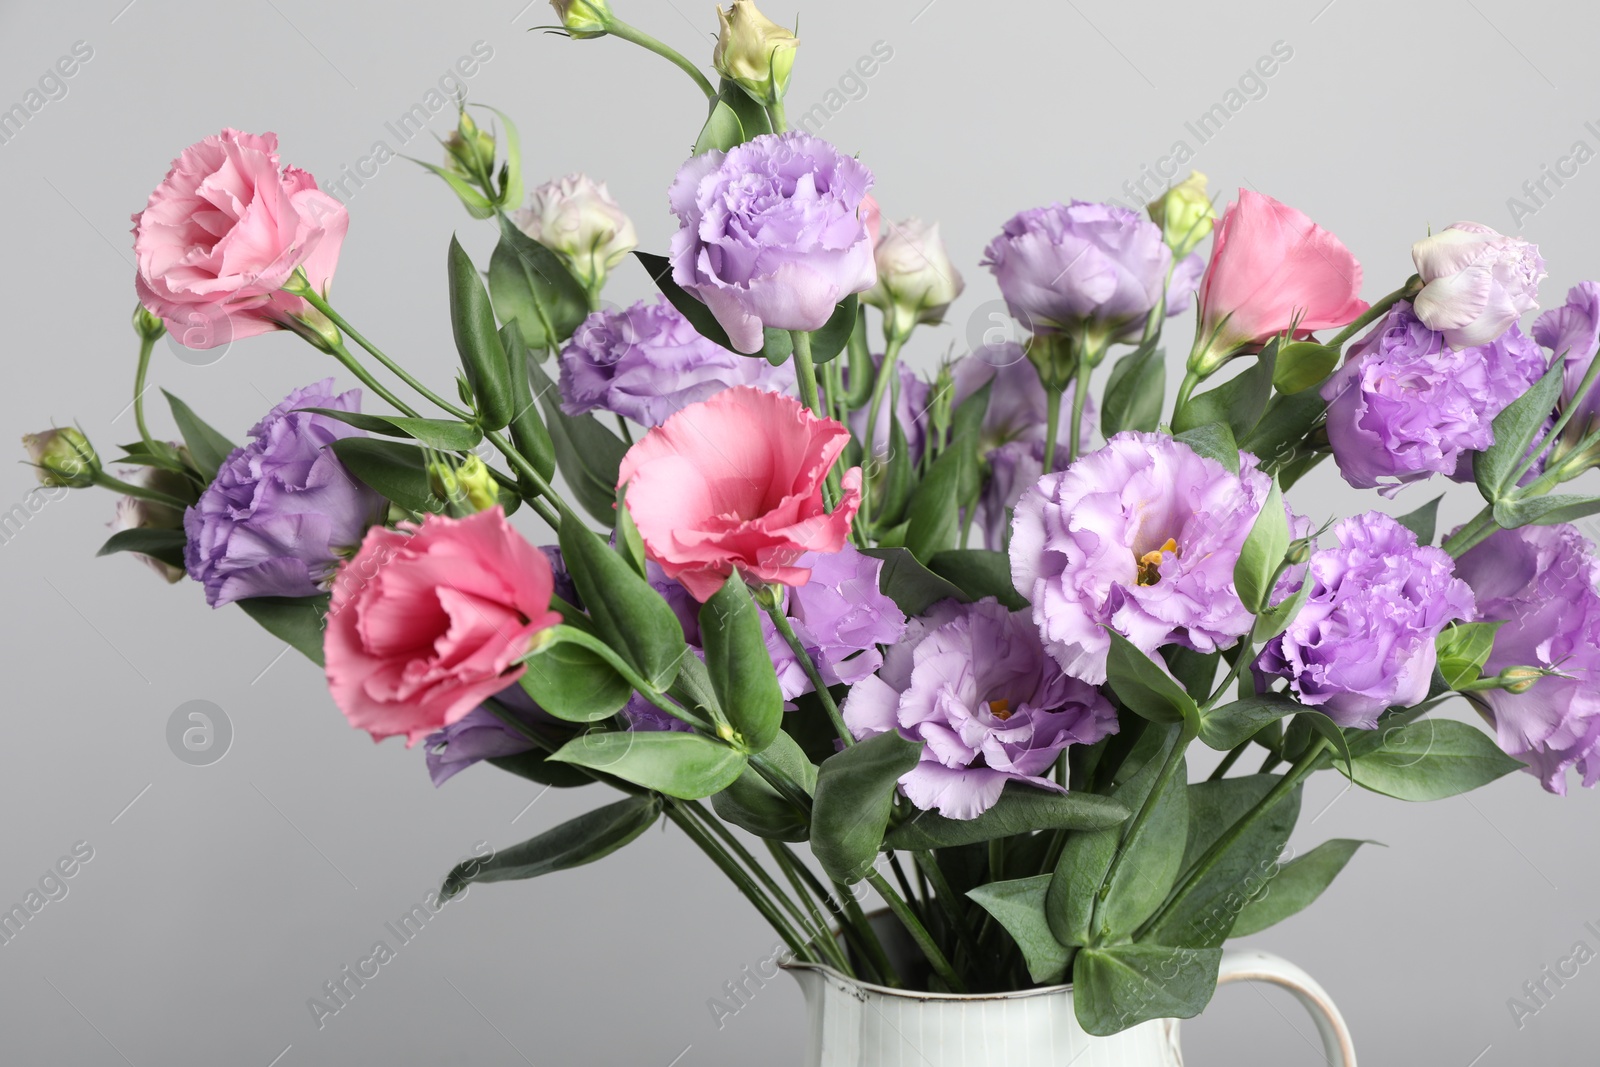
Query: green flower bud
x,y
584,19
469,151
754,52
148,326
1520,679
64,458
468,487
1184,214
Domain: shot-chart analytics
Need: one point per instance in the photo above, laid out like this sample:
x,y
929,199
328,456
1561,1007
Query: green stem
x,y
881,378
549,514
1052,426
1190,380
1203,866
1146,811
740,879
365,377
742,854
777,116
1476,530
786,631
312,297
621,29
1405,292
1228,761
869,942
146,346
919,933
1564,417
947,901
825,941
106,481
806,372
1080,394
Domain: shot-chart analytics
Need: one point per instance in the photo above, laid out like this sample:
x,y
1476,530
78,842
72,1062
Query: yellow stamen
x,y
1150,563
1001,709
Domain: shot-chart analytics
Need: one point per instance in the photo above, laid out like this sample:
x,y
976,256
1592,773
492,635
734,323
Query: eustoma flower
x,y
840,617
1476,282
1078,266
735,483
772,234
916,280
282,511
136,514
647,362
1364,640
1572,334
1541,582
480,734
1406,406
578,220
1271,268
223,233
974,684
1141,536
428,621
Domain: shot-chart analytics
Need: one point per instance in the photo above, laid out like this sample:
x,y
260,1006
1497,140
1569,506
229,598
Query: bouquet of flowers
x,y
956,634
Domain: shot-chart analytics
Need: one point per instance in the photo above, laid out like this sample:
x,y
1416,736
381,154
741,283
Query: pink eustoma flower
x,y
734,483
223,233
1271,268
428,621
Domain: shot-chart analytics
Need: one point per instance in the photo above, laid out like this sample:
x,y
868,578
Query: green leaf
x,y
1145,686
528,432
1214,441
511,171
1238,403
752,116
627,613
1302,364
1135,392
589,454
1544,510
776,345
855,795
1233,724
164,545
575,683
1195,671
899,481
1205,917
1431,759
478,341
589,837
686,766
752,804
1514,430
1257,568
398,471
1021,809
535,766
740,666
1424,521
446,435
1463,649
1296,885
477,205
1270,622
1018,905
531,286
828,341
1123,985
978,573
1150,865
294,620
909,584
630,545
207,447
721,132
934,518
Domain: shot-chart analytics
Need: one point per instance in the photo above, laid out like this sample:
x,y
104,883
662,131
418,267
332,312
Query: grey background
x,y
226,895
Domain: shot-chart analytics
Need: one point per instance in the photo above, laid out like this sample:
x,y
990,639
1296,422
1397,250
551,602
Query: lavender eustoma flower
x,y
1572,333
1406,406
646,363
1141,536
1364,639
480,734
772,234
840,617
974,684
1068,266
1542,582
282,509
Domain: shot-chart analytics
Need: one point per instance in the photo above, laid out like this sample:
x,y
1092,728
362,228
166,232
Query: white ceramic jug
x,y
856,1024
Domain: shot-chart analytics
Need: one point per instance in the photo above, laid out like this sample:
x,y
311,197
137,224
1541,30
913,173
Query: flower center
x,y
1000,709
1150,563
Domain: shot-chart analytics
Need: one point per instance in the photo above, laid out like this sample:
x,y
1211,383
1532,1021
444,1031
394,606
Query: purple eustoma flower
x,y
1067,266
1406,406
773,234
973,683
840,617
282,510
1572,334
647,363
1364,640
1141,536
1541,582
480,734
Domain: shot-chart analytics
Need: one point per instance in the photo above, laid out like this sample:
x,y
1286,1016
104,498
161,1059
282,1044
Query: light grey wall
x,y
220,898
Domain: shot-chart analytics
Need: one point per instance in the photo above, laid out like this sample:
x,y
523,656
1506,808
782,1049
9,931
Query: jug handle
x,y
1249,965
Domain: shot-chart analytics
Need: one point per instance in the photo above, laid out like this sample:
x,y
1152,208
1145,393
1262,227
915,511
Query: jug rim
x,y
912,994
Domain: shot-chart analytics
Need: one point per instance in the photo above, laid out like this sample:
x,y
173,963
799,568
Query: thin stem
x,y
786,631
905,883
551,515
777,116
312,297
621,29
740,879
353,365
1560,424
146,346
106,481
622,428
1080,394
806,372
880,383
1052,426
1406,291
1228,761
919,933
1476,530
1302,767
870,944
1190,380
742,854
825,941
948,902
